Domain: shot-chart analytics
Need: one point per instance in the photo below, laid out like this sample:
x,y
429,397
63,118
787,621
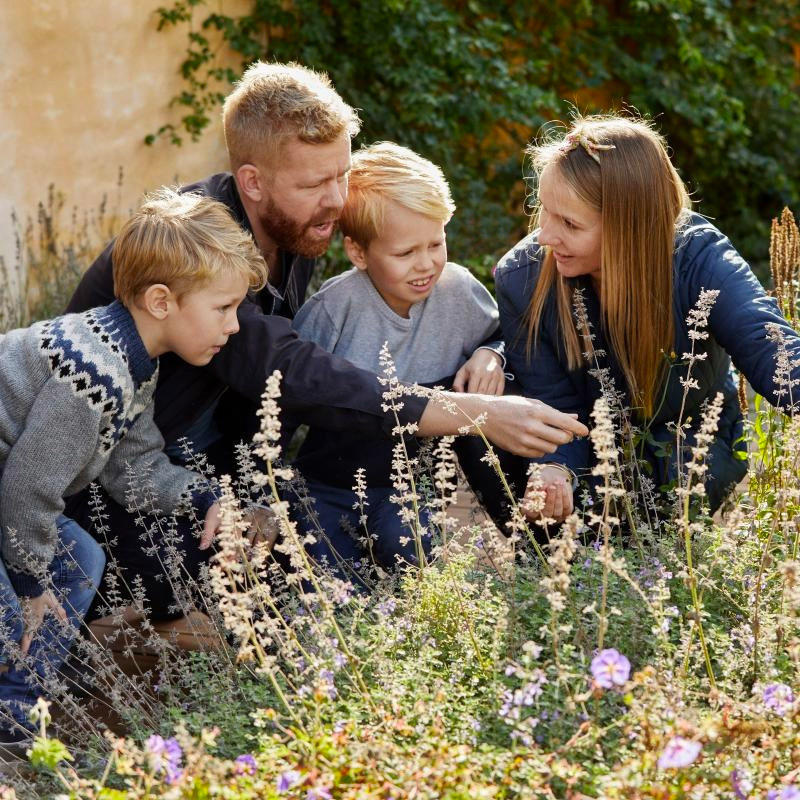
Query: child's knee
x,y
11,624
86,554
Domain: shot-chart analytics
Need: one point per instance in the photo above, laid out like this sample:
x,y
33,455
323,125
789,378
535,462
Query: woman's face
x,y
569,227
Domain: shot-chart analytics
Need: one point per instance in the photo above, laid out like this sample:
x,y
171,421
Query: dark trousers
x,y
484,481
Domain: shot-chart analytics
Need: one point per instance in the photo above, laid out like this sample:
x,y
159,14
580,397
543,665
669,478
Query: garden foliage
x,y
616,656
467,83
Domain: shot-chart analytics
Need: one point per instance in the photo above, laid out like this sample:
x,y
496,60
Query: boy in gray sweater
x,y
76,405
436,320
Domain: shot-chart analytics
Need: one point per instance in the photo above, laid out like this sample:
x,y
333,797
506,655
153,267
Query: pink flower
x,y
679,752
610,668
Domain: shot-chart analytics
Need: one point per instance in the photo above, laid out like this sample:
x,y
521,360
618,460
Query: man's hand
x,y
33,611
210,527
528,427
482,374
556,483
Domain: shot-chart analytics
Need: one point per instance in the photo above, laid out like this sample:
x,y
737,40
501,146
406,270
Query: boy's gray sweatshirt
x,y
76,404
348,317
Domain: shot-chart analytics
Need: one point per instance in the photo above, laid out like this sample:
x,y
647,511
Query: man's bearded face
x,y
306,237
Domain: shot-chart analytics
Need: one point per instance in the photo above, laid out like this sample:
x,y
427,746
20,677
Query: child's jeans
x,y
340,522
76,571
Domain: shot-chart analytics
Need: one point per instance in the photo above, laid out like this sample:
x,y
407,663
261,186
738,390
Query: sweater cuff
x,y
203,498
412,410
25,584
498,348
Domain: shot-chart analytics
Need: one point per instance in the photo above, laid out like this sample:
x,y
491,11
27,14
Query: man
x,y
288,136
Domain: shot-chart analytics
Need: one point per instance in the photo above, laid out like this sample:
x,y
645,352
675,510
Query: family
x,y
175,328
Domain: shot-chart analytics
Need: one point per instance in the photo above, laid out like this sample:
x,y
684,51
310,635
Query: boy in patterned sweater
x,y
76,405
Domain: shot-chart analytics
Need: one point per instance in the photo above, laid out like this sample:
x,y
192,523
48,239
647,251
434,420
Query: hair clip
x,y
575,138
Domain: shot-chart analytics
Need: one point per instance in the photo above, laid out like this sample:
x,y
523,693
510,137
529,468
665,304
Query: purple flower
x,y
165,756
610,668
245,764
386,607
679,752
790,792
286,780
319,793
778,697
742,784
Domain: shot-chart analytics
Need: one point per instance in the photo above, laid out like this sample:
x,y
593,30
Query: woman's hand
x,y
482,374
556,483
33,611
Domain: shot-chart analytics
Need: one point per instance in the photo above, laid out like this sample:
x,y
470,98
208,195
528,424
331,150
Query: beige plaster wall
x,y
81,83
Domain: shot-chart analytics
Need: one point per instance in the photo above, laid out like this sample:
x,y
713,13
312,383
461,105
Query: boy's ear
x,y
251,182
156,300
356,253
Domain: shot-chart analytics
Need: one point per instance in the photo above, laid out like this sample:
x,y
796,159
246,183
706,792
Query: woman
x,y
615,232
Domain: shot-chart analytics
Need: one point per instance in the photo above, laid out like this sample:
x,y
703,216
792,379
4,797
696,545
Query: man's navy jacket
x,y
317,388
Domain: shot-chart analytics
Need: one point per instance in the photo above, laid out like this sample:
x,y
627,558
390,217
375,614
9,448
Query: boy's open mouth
x,y
421,283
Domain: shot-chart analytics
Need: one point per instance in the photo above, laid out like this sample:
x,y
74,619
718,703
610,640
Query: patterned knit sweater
x,y
76,404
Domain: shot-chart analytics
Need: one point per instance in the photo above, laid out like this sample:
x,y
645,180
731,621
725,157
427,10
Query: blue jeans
x,y
76,571
334,511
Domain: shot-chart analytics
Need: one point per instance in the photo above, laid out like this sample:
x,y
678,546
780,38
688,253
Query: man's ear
x,y
250,182
356,253
156,300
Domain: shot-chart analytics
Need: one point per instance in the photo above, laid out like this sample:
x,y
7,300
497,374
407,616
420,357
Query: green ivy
x,y
468,82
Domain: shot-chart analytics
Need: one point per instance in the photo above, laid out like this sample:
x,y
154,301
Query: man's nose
x,y
336,195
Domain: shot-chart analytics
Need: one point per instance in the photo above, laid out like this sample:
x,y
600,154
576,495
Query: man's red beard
x,y
293,236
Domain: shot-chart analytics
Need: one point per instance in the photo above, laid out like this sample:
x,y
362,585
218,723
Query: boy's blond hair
x,y
184,241
383,172
276,102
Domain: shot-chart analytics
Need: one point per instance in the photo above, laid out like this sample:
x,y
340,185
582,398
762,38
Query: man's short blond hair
x,y
276,102
386,171
184,241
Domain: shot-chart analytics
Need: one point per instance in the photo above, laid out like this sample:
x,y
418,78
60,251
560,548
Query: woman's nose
x,y
547,234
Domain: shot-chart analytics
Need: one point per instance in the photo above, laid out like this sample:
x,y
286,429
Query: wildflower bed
x,y
602,658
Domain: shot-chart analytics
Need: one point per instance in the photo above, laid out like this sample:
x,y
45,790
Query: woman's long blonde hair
x,y
620,167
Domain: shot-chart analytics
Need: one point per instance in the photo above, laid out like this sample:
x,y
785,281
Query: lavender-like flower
x,y
245,764
287,780
679,752
319,793
790,792
165,756
386,607
778,697
742,783
610,668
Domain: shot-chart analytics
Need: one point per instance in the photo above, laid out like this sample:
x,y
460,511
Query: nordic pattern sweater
x,y
76,404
